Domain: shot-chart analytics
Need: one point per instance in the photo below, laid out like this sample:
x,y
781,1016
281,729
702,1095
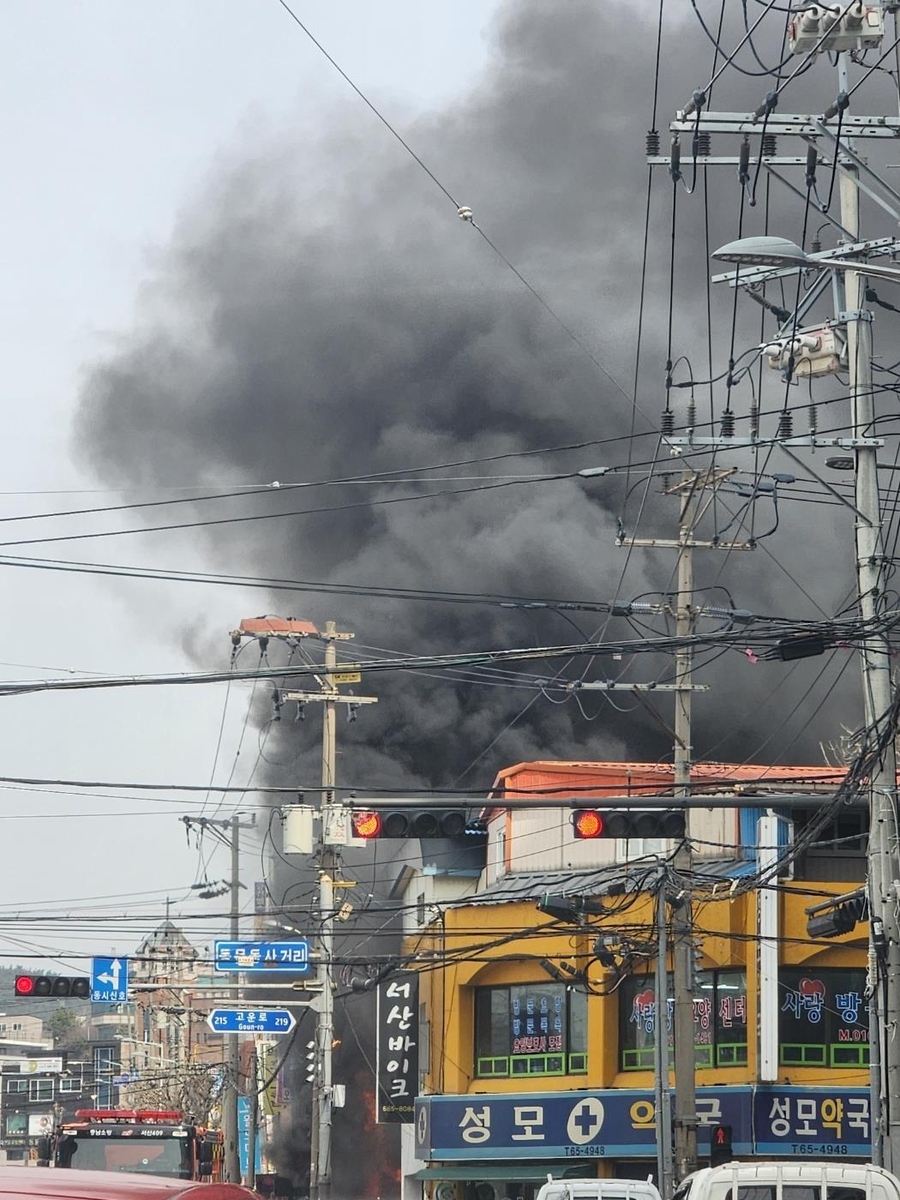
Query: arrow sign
x,y
251,1020
109,980
112,975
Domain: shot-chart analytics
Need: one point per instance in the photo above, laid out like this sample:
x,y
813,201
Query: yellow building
x,y
541,1028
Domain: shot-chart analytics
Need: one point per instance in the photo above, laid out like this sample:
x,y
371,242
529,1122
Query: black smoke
x,y
322,312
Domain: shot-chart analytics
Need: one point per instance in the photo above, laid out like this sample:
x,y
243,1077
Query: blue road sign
x,y
109,980
251,1020
244,1138
263,956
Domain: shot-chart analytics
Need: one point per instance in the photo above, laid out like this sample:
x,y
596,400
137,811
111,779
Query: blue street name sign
x,y
263,956
109,980
251,1020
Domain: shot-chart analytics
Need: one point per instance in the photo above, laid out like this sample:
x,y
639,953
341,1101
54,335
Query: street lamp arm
x,y
780,252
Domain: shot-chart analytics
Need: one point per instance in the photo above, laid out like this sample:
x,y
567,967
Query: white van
x,y
790,1181
603,1189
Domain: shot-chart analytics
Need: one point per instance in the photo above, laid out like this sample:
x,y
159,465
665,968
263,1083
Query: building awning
x,y
526,1172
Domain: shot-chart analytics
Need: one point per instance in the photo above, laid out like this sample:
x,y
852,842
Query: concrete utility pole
x,y
878,688
695,490
333,833
320,1166
685,1122
830,132
232,1047
663,1098
229,833
254,1119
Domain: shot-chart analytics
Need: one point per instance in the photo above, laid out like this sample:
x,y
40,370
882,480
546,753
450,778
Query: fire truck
x,y
155,1141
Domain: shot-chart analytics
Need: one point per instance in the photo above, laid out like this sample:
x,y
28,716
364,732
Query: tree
x,y
189,1087
65,1027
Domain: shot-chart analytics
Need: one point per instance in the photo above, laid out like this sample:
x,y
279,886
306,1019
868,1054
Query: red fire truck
x,y
155,1141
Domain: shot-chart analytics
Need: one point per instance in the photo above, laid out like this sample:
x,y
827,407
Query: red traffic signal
x,y
413,823
587,823
53,985
366,825
628,823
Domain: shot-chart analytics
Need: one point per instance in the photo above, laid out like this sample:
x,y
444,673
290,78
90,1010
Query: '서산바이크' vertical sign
x,y
397,1047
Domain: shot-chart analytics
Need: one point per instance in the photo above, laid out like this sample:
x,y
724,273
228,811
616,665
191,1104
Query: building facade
x,y
541,1026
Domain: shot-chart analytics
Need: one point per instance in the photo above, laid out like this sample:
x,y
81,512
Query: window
x,y
720,1020
17,1085
104,1069
824,1018
16,1123
70,1083
530,1029
628,849
40,1089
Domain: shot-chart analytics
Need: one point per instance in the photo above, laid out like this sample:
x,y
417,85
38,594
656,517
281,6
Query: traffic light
x,y
833,920
720,1150
628,823
53,985
413,823
312,1062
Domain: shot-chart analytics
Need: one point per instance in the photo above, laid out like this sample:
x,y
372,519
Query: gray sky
x,y
115,116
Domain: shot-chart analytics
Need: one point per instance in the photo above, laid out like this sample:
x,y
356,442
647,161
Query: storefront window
x,y
530,1029
824,1017
720,1020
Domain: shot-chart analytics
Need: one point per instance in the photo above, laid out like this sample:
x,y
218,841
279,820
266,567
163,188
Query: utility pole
x,y
229,833
695,491
320,1178
253,1119
334,832
664,1165
685,1122
833,132
232,1048
877,683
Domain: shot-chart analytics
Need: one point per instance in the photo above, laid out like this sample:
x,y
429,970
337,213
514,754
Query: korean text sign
x,y
397,1048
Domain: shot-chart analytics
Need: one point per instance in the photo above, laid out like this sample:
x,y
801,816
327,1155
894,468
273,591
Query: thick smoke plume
x,y
321,312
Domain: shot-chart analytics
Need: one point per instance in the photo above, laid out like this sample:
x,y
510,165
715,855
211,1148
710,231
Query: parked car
x,y
601,1189
48,1183
819,1180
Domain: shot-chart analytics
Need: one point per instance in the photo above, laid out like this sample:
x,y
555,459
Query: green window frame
x,y
534,1030
720,1020
823,1017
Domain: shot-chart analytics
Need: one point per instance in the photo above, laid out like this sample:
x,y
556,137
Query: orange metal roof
x,y
529,778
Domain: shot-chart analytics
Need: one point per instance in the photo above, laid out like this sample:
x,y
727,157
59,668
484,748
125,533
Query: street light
x,y
781,252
